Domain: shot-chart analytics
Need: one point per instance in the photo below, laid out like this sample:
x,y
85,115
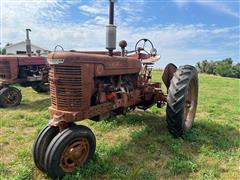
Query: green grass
x,y
138,145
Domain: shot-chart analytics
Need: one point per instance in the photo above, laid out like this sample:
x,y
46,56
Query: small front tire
x,y
40,87
69,149
41,143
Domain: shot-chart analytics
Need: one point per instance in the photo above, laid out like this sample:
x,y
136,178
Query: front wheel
x,y
182,100
10,97
41,143
69,149
40,87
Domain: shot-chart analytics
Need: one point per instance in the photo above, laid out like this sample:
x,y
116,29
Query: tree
x,y
236,70
224,68
3,50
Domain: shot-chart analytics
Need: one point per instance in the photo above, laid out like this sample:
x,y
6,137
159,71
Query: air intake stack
x,y
111,29
28,43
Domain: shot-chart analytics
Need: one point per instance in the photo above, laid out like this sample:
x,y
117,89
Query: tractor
x,y
26,70
99,85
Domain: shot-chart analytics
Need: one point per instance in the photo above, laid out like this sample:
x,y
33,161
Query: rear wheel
x,y
10,97
182,100
40,87
69,149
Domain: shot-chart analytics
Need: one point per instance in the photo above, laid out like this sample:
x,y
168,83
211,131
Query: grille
x,y
66,87
5,70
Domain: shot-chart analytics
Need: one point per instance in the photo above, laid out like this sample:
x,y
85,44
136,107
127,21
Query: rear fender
x,y
167,76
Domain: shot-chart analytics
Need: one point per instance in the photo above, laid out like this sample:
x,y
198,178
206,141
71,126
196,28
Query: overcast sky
x,y
183,32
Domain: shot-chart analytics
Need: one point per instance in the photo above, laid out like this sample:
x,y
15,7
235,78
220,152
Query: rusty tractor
x,y
26,70
99,85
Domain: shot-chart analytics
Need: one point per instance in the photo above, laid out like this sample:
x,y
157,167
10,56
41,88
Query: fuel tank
x,y
103,65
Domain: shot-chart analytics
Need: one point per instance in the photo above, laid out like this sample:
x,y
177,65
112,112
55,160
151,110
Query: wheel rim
x,y
190,104
11,97
74,154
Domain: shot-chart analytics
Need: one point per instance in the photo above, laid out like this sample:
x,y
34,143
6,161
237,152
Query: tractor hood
x,y
103,64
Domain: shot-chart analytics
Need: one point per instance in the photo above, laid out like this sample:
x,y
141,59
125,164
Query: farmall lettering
x,y
99,85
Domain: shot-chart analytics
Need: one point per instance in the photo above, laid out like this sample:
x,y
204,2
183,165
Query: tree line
x,y
225,68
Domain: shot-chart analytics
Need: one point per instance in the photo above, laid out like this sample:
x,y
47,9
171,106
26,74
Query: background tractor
x,y
26,70
99,85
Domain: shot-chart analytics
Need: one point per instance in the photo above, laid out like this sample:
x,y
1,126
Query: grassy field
x,y
137,146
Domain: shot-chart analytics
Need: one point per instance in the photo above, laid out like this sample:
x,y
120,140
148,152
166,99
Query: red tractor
x,y
98,85
26,70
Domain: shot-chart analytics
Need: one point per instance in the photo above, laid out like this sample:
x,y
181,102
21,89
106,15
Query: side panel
x,y
33,60
118,67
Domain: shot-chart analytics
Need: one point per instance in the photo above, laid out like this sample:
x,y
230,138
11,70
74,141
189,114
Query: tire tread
x,y
176,98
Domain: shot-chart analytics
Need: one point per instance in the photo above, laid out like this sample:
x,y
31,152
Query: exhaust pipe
x,y
28,43
111,30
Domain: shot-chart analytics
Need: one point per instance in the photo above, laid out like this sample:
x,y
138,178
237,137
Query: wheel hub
x,y
190,105
10,96
75,154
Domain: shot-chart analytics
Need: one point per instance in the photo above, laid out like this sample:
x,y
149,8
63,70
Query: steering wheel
x,y
153,51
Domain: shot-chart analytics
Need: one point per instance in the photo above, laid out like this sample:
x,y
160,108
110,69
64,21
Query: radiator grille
x,y
66,87
5,72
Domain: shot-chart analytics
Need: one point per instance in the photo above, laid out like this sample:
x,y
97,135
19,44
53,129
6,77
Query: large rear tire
x,y
182,100
69,149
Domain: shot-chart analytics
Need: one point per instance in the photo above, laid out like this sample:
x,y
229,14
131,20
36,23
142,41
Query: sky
x,y
182,31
